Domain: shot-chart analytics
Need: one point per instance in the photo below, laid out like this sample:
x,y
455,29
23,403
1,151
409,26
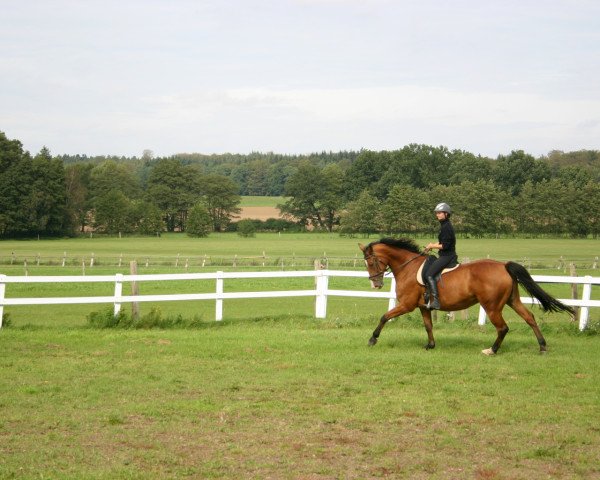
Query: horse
x,y
491,283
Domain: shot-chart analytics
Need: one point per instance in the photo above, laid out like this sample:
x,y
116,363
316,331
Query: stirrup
x,y
433,304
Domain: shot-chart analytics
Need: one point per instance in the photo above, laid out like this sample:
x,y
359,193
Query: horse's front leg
x,y
382,321
426,313
393,313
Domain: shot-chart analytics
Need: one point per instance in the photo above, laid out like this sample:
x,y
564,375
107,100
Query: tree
x,y
277,177
113,213
420,166
15,186
32,192
110,175
466,166
332,199
315,196
406,210
47,200
364,173
512,171
591,194
199,223
540,209
77,179
362,215
173,188
481,207
146,218
258,178
221,199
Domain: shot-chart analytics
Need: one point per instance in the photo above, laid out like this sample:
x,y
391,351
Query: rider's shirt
x,y
447,239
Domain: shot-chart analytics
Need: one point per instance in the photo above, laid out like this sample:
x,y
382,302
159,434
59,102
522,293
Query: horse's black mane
x,y
404,243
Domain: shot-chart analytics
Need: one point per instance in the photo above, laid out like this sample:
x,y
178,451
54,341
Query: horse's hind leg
x,y
501,329
426,313
526,315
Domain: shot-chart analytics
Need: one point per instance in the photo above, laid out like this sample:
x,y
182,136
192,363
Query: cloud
x,y
439,106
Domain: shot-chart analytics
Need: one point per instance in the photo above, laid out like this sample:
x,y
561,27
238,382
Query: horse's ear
x,y
362,247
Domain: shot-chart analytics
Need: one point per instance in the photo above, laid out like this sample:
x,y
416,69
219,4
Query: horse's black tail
x,y
520,275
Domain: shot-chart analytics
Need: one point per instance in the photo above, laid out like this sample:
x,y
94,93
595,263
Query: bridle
x,y
382,271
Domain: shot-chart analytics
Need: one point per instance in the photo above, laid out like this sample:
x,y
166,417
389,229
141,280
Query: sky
x,y
120,77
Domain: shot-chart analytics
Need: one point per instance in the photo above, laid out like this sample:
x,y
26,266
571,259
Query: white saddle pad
x,y
420,272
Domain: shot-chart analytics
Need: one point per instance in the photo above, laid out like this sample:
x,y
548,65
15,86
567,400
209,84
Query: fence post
x,y
2,292
586,296
393,301
482,316
574,289
135,290
118,292
219,302
321,300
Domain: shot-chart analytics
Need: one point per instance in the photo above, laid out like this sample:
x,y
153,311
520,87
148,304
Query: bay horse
x,y
491,283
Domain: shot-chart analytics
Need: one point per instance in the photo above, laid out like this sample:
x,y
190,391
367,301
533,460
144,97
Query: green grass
x,y
545,252
292,397
271,392
170,253
257,201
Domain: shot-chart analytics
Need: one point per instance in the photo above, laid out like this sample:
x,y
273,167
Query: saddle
x,y
428,261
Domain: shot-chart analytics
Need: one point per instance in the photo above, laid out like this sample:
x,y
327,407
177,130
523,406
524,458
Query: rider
x,y
446,245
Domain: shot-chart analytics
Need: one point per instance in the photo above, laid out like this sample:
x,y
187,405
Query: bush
x,y
269,225
246,228
107,319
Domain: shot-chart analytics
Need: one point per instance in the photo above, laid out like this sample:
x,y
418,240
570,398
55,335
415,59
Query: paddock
x,y
321,292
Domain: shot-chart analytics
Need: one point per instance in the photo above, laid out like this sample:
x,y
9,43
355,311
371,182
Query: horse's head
x,y
375,266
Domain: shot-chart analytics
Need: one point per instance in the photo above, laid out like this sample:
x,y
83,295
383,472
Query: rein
x,y
381,273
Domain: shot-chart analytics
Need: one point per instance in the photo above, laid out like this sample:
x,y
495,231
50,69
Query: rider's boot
x,y
434,299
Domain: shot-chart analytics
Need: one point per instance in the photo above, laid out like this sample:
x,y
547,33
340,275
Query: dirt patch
x,y
259,213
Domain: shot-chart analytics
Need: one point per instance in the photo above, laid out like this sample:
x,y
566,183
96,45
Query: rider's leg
x,y
434,298
432,271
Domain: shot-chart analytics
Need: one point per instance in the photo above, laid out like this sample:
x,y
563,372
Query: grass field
x,y
295,398
543,252
171,253
271,392
260,201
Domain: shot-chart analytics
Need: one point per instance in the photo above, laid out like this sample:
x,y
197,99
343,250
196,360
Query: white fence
x,y
321,291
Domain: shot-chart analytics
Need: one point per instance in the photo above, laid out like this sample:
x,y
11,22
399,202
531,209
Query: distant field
x,y
540,252
256,201
260,208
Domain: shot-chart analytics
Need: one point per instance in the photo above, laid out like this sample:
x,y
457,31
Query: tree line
x,y
43,195
389,192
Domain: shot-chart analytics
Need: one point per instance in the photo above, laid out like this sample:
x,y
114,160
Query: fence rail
x,y
321,291
87,262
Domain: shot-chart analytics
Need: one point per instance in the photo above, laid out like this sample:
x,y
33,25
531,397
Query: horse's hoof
x,y
430,346
542,352
489,352
372,341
